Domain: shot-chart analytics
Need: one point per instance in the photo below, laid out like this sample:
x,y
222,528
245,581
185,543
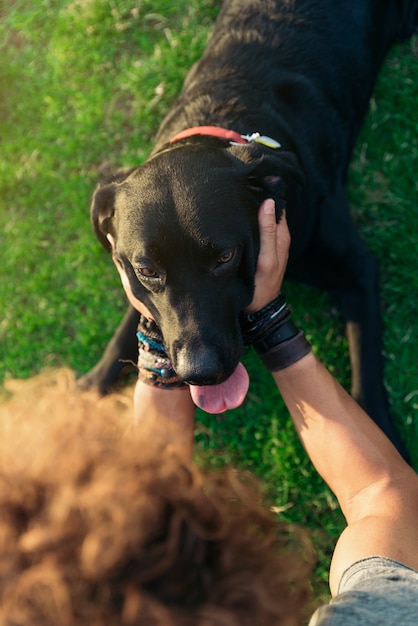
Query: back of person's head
x,y
104,524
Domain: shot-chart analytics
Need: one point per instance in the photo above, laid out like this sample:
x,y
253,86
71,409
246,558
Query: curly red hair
x,y
104,524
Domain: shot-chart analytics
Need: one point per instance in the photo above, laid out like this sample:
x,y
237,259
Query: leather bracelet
x,y
285,331
273,312
275,337
286,353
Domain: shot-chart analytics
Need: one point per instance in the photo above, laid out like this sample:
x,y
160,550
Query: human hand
x,y
272,258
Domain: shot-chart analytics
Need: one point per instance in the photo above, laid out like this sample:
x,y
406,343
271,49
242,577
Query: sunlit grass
x,y
85,84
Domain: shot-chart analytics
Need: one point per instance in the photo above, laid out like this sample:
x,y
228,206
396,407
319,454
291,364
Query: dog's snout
x,y
199,366
202,381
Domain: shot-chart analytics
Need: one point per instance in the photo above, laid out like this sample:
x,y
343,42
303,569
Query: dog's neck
x,y
228,135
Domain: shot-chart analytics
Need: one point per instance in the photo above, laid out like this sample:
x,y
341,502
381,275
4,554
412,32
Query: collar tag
x,y
263,139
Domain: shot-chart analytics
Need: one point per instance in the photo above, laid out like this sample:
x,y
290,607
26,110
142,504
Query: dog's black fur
x,y
301,72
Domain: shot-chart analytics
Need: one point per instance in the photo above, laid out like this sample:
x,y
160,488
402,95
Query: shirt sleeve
x,y
375,590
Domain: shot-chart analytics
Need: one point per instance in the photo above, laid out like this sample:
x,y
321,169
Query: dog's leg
x,y
360,308
342,264
121,349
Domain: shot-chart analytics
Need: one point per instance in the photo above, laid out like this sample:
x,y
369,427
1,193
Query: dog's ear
x,y
280,163
101,211
103,205
268,171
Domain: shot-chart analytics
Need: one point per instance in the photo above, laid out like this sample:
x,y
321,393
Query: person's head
x,y
103,524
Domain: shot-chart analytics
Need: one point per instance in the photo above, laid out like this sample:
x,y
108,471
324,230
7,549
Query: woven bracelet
x,y
154,365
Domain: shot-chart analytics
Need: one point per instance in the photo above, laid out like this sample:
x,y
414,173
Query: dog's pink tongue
x,y
227,395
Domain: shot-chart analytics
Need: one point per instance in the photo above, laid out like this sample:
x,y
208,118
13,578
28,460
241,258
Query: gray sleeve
x,y
373,591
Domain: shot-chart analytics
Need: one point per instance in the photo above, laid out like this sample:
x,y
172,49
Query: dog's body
x,y
184,225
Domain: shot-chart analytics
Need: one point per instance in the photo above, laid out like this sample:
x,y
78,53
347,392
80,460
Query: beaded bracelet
x,y
154,365
275,337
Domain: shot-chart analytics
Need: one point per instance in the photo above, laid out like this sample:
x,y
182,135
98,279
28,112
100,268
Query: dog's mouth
x,y
227,395
212,398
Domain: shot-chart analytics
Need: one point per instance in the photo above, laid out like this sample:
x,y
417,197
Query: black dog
x,y
183,227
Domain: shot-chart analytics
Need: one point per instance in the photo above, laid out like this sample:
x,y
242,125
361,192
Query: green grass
x,y
84,85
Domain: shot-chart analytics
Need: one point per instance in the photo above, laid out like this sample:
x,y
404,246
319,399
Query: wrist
x,y
274,336
257,325
286,353
154,365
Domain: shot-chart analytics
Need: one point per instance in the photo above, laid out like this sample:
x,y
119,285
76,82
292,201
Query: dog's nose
x,y
199,366
202,381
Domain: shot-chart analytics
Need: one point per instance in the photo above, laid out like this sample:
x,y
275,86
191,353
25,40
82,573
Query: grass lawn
x,y
84,84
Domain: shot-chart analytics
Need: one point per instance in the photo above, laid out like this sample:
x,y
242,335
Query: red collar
x,y
228,135
213,131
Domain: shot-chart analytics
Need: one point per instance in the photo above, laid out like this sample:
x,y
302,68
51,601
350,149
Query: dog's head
x,y
183,231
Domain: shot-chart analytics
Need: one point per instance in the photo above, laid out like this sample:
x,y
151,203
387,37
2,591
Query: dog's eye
x,y
147,272
226,256
227,262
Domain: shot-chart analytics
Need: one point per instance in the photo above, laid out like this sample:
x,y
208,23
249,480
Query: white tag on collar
x,y
263,139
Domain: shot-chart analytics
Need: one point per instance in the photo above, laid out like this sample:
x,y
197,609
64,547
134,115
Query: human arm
x,y
173,410
376,489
